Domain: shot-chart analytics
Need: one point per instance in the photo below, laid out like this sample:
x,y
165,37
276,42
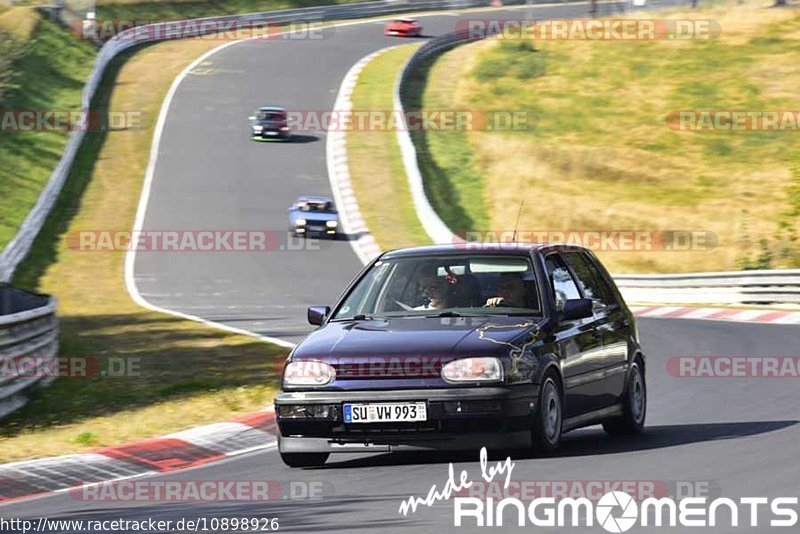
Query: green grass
x,y
602,156
170,10
376,167
50,73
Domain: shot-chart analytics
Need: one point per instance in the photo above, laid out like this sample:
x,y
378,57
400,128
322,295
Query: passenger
x,y
511,290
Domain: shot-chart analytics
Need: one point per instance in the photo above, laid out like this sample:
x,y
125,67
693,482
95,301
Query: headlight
x,y
257,128
308,373
331,224
473,370
300,222
284,128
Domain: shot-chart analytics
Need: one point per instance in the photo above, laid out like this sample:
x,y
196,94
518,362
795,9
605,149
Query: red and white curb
x,y
719,314
353,223
182,450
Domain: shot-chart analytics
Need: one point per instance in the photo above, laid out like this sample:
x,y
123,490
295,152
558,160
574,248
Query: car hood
x,y
457,337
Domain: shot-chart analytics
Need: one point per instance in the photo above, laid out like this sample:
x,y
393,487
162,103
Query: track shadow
x,y
438,183
355,236
584,443
301,138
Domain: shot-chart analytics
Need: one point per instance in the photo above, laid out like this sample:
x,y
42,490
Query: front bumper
x,y
271,135
319,231
465,418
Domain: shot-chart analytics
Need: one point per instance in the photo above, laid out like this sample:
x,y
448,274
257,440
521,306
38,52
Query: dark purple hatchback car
x,y
450,347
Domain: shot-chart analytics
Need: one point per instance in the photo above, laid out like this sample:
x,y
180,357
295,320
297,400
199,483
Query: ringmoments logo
x,y
618,511
615,511
616,500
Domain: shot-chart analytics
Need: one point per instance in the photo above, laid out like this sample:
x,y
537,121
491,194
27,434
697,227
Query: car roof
x,y
313,198
270,108
482,248
405,20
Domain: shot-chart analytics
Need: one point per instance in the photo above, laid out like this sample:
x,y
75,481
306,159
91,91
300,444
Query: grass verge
x,y
43,80
189,9
376,167
446,159
602,156
187,374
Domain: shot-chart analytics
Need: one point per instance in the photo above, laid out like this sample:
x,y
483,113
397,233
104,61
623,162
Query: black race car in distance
x,y
270,124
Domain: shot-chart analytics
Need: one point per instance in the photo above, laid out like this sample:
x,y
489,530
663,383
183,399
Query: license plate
x,y
385,413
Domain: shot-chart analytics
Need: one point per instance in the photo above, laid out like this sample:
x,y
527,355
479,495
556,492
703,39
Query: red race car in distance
x,y
403,28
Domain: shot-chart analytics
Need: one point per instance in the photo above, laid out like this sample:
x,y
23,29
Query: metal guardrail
x,y
728,288
28,344
732,287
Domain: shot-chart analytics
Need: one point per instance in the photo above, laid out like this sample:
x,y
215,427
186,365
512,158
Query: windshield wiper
x,y
488,314
446,314
358,317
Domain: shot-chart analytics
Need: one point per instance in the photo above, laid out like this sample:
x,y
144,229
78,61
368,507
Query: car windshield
x,y
273,116
434,286
315,206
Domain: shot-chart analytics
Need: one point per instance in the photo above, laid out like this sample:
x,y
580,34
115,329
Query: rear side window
x,y
563,286
590,280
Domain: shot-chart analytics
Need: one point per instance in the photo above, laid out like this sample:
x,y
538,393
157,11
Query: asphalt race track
x,y
209,176
735,437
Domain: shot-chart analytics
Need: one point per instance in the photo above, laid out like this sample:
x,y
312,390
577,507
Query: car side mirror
x,y
577,309
317,314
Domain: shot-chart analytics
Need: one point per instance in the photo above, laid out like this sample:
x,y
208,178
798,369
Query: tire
x,y
304,459
549,416
634,407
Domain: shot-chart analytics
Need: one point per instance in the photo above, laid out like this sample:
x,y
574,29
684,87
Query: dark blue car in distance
x,y
455,347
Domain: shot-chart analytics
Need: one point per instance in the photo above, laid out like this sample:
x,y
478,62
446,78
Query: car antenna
x,y
516,225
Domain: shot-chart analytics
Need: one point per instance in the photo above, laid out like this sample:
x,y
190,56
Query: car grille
x,y
392,369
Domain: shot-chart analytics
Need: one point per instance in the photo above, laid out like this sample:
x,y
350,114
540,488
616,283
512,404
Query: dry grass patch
x,y
602,157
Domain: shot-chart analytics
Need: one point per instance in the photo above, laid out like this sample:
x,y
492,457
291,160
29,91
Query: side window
x,y
590,280
563,285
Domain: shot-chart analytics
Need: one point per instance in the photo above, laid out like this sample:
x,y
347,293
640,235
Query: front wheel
x,y
548,417
304,459
634,408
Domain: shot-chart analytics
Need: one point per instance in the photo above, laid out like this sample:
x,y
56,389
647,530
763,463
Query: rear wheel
x,y
549,416
634,407
304,459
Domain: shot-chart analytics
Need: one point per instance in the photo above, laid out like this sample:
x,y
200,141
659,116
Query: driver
x,y
434,288
511,292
